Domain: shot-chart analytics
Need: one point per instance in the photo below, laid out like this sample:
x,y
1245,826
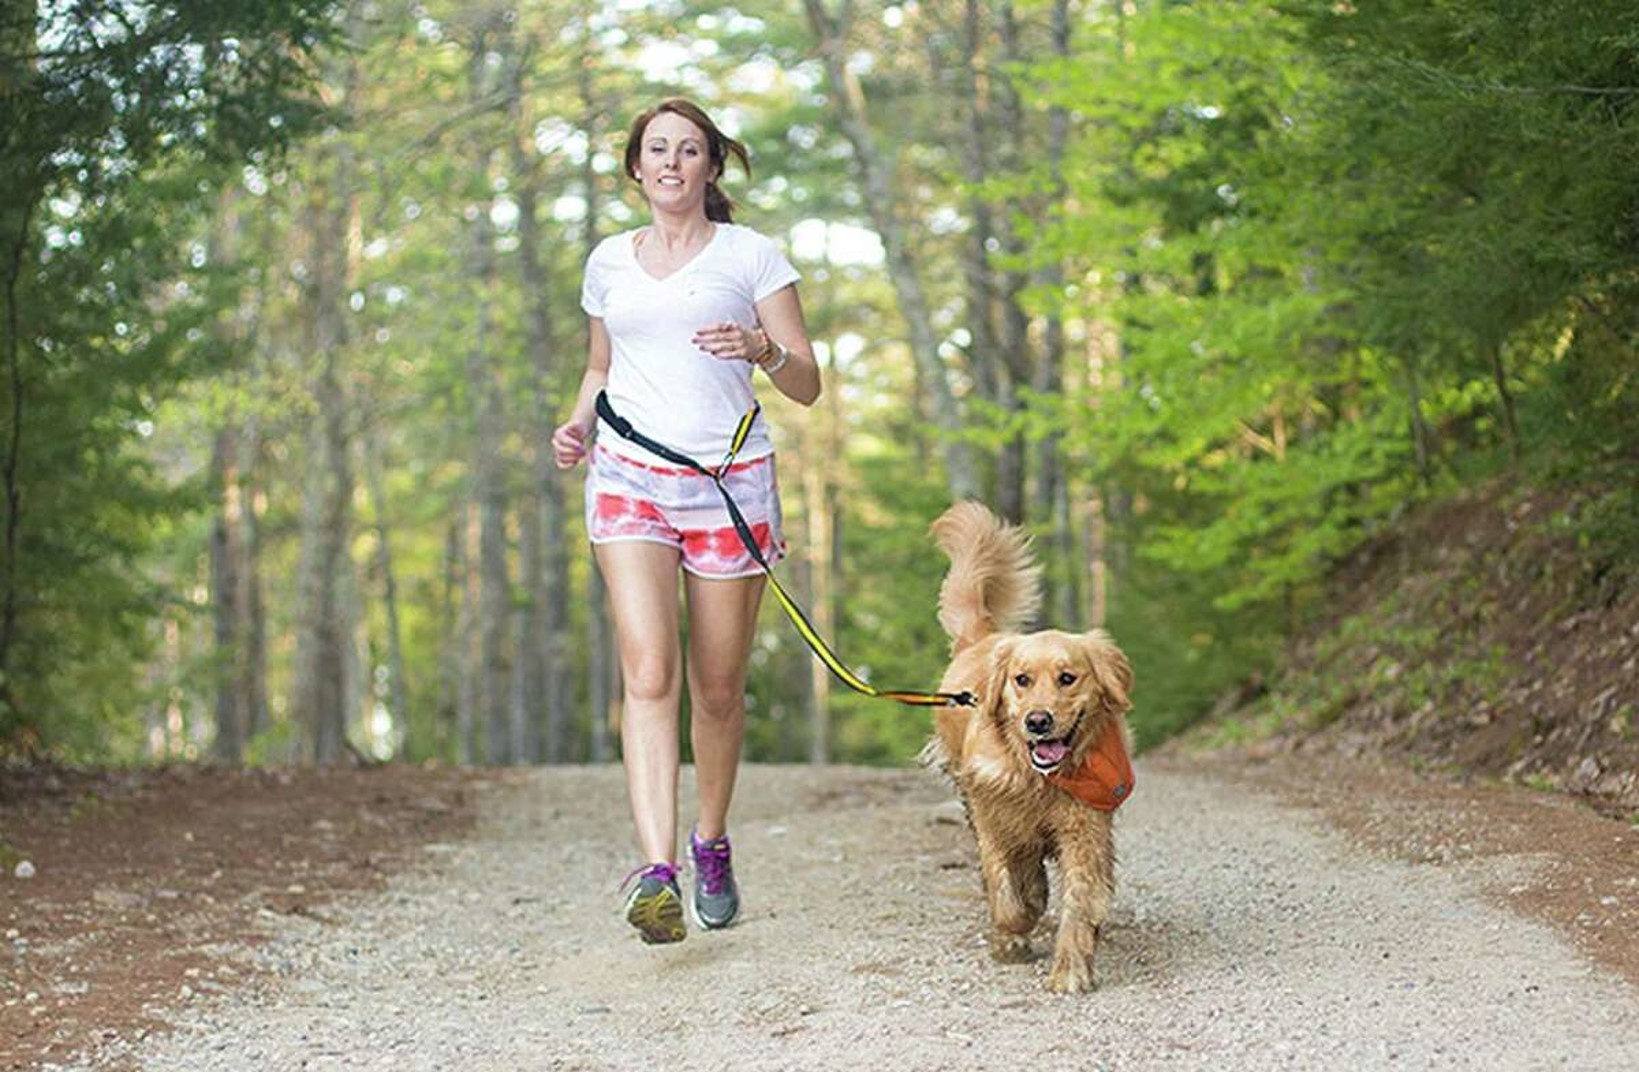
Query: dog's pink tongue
x,y
1049,752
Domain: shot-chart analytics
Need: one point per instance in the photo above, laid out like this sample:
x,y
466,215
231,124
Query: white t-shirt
x,y
669,388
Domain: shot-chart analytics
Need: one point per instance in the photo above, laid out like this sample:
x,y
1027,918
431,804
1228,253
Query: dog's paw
x,y
1072,975
1010,948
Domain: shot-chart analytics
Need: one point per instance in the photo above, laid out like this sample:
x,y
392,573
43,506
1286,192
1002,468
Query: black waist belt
x,y
815,642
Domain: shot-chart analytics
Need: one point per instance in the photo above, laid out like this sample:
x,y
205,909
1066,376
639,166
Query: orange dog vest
x,y
1104,780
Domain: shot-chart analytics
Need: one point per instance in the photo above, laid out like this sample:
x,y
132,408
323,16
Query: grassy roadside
x,y
1492,636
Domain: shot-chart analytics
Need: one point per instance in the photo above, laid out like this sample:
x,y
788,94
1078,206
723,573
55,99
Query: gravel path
x,y
1247,935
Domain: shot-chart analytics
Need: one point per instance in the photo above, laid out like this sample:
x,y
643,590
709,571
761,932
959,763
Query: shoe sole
x,y
658,917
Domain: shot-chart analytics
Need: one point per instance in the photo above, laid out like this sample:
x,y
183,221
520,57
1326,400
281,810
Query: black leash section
x,y
815,642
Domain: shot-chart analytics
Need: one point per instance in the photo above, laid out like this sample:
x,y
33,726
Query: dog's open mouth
x,y
1046,756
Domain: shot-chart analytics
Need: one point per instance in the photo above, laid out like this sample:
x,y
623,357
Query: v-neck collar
x,y
631,246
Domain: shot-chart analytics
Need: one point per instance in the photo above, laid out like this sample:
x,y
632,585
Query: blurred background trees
x,y
1205,294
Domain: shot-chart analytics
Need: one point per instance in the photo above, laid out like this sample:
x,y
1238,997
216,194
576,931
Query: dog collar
x,y
1104,780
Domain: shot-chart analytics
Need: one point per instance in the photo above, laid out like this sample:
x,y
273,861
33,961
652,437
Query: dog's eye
x,y
1022,680
1066,679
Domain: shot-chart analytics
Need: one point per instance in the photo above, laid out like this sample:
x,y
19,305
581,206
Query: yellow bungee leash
x,y
805,629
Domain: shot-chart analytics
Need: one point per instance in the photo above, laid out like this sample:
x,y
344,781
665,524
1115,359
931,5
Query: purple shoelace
x,y
664,872
711,862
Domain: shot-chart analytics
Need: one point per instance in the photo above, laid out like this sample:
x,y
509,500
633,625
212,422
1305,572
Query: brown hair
x,y
719,147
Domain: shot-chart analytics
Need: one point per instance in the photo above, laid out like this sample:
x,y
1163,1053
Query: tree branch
x,y
14,445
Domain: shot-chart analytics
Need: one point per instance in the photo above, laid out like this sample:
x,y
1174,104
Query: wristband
x,y
781,356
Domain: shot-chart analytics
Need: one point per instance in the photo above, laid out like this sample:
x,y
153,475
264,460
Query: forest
x,y
1205,294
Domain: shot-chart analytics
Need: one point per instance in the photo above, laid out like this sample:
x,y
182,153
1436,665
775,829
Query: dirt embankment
x,y
1483,638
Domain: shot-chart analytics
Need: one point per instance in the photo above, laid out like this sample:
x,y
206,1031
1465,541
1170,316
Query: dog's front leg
x,y
1013,911
1087,865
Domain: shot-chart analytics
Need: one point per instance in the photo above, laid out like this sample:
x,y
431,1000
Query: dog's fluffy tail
x,y
993,584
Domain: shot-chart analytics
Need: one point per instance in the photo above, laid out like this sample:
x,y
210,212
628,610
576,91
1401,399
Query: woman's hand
x,y
731,342
569,444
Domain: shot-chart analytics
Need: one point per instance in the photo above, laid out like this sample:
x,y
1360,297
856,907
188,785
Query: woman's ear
x,y
1110,667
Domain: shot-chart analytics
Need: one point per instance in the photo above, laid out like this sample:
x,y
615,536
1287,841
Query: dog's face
x,y
1053,692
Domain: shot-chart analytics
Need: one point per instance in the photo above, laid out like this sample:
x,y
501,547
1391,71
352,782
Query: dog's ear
x,y
1001,658
1114,673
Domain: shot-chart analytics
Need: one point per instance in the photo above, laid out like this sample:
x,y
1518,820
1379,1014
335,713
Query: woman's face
x,y
674,164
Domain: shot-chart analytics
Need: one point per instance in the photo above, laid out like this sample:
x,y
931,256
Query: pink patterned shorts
x,y
632,500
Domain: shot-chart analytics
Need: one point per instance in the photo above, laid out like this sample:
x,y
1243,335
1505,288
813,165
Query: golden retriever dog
x,y
1040,760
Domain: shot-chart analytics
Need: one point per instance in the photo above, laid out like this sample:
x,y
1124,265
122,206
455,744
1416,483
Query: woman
x,y
682,312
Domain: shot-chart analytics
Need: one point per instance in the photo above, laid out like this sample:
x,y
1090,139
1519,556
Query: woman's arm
x,y
569,438
780,315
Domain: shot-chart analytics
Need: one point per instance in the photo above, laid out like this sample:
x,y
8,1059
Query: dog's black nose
x,y
1039,723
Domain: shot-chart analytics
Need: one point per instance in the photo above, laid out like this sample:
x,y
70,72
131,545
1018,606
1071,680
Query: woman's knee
x,y
649,677
723,699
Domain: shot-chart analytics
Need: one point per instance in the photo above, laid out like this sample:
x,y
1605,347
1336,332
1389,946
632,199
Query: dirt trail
x,y
1248,934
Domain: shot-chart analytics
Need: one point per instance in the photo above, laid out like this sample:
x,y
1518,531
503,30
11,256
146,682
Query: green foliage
x,y
1320,230
888,602
1185,650
118,126
1319,261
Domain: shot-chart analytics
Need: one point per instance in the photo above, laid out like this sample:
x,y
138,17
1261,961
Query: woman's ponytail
x,y
719,209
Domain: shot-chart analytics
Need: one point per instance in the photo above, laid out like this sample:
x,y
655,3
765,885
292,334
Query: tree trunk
x,y
488,464
320,689
16,254
1010,474
489,492
226,611
542,530
325,657
820,509
540,736
173,721
1051,503
17,243
1015,322
1098,565
975,166
558,697
875,173
398,689
1421,437
530,664
447,737
469,694
252,643
356,694
1499,376
21,177
603,670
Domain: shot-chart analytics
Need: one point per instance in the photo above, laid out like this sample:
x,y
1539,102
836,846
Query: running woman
x,y
681,313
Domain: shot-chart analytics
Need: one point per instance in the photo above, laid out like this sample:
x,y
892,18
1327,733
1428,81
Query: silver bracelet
x,y
782,355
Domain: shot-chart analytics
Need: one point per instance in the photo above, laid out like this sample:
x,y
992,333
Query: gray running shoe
x,y
716,898
655,906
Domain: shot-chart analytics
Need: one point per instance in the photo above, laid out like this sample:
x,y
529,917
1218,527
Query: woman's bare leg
x,y
642,581
722,622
